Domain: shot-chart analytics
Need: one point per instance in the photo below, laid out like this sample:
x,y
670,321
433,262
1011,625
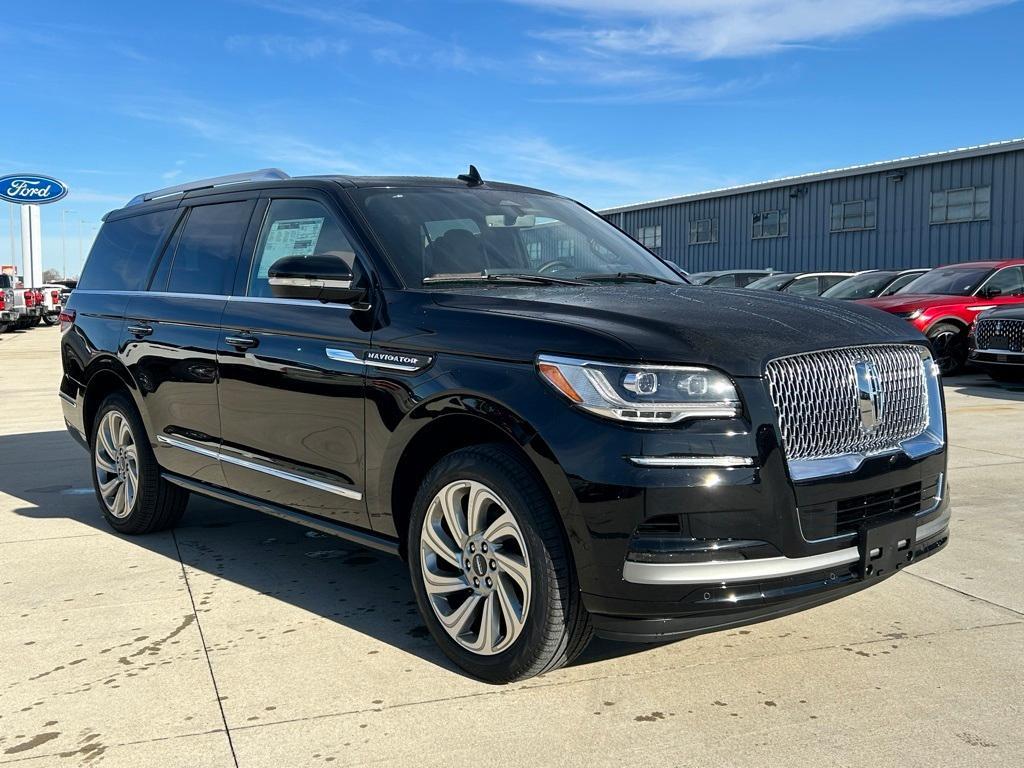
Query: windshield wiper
x,y
500,277
627,277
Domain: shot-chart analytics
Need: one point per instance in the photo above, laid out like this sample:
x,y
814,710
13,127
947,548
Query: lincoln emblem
x,y
870,398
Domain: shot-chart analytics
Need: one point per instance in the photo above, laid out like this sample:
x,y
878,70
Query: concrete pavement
x,y
240,640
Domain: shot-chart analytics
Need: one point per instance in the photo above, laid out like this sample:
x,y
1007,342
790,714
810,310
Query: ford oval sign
x,y
27,189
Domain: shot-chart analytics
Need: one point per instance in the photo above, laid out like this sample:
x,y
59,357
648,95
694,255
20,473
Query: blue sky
x,y
610,101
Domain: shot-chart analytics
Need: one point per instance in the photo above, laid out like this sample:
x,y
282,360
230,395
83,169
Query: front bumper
x,y
996,358
767,590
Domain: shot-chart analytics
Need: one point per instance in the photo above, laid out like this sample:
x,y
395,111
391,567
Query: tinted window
x,y
901,281
723,281
1009,282
829,281
771,282
864,286
120,257
206,254
949,281
803,286
297,228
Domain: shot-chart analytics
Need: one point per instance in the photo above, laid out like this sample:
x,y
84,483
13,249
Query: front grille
x,y
817,400
843,516
996,333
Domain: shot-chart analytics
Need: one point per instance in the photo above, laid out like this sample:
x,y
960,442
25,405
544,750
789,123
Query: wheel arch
x,y
435,429
104,376
962,324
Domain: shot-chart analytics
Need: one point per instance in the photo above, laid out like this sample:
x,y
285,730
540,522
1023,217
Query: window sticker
x,y
289,237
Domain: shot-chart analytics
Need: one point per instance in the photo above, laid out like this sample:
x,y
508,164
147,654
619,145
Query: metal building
x,y
923,211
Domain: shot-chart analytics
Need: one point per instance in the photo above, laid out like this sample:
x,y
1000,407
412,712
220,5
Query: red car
x,y
943,303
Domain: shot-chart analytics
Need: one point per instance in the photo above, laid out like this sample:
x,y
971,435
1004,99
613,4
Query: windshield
x,y
772,282
443,232
860,286
951,281
700,278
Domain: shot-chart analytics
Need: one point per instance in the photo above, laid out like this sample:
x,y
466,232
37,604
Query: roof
x,y
979,150
991,264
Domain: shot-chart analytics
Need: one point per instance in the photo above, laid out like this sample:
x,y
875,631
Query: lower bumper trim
x,y
755,570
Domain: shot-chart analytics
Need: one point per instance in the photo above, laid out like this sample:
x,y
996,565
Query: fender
x,y
946,319
109,364
493,416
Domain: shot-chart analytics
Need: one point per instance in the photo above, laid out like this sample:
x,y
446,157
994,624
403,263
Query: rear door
x,y
171,333
291,372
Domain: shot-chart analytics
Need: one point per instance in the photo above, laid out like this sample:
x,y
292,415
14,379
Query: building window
x,y
649,237
703,231
533,251
770,224
566,249
954,205
853,215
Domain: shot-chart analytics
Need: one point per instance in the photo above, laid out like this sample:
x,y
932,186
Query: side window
x,y
830,280
804,286
120,257
724,281
1009,281
899,282
297,228
206,254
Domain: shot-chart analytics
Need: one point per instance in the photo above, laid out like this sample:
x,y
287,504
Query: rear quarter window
x,y
124,248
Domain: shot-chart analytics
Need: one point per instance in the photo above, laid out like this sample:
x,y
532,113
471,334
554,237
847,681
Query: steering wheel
x,y
551,265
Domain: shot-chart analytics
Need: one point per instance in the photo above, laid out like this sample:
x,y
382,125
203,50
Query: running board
x,y
342,531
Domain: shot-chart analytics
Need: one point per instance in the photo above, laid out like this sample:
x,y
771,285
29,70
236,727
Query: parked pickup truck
x,y
49,299
12,303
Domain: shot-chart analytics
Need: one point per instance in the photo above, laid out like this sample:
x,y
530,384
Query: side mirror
x,y
991,293
325,277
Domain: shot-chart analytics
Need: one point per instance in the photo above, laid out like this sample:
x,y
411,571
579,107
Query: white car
x,y
52,302
13,311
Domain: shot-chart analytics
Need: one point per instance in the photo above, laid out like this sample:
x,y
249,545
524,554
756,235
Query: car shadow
x,y
978,384
359,588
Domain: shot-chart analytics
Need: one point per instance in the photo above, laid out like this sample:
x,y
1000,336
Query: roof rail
x,y
264,174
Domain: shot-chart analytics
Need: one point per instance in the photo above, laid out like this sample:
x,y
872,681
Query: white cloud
x,y
704,29
287,46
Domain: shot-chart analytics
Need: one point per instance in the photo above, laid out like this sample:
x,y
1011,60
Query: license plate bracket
x,y
886,548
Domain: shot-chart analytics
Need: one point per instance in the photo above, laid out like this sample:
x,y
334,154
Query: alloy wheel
x,y
475,567
117,464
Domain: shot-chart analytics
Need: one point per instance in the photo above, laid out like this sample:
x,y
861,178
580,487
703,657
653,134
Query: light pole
x,y
80,223
63,240
10,211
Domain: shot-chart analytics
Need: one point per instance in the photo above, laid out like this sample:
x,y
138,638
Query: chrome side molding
x,y
339,490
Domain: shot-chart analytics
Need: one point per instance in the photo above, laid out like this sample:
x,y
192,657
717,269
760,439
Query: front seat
x,y
456,252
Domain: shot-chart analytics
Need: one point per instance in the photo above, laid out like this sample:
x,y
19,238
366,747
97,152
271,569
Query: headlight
x,y
912,315
653,394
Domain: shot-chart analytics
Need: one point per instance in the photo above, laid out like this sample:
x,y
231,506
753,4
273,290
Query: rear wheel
x,y
36,319
491,569
50,319
134,497
949,346
4,327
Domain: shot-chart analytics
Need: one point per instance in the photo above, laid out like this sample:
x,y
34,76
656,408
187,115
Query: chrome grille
x,y
816,400
1007,334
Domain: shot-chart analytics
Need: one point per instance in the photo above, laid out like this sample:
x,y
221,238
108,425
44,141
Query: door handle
x,y
138,331
242,342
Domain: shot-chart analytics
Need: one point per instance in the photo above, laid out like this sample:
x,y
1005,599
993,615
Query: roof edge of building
x,y
994,147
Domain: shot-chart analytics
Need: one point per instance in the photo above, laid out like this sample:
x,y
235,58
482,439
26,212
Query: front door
x,y
291,375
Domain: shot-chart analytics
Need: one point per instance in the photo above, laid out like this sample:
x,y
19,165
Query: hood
x,y
1008,312
737,330
906,302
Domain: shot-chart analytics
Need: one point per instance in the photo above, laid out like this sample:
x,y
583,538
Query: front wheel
x,y
949,346
129,487
491,568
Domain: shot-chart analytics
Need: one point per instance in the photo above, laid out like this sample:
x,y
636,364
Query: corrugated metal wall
x,y
902,237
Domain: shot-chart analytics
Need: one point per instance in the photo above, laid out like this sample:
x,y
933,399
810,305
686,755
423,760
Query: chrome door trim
x,y
339,490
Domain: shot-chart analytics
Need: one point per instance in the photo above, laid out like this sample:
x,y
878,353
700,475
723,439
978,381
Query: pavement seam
x,y
544,685
986,450
53,538
206,650
994,604
64,753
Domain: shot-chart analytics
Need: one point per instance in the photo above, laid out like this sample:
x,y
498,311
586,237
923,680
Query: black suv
x,y
556,432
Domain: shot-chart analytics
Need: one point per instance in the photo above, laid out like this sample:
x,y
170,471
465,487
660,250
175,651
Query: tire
x,y
50,319
4,327
555,626
949,346
155,504
35,321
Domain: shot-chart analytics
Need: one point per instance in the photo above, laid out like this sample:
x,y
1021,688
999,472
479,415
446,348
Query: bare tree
x,y
49,275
